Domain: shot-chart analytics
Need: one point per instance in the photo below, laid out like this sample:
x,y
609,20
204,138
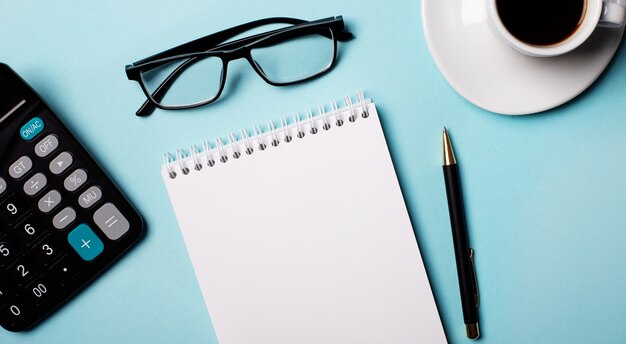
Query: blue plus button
x,y
85,242
32,128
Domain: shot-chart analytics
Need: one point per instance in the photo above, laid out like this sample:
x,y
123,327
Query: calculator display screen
x,y
9,98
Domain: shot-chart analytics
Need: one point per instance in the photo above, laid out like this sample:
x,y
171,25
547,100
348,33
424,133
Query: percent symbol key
x,y
75,180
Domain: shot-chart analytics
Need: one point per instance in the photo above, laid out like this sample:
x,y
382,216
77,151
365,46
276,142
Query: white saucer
x,y
490,74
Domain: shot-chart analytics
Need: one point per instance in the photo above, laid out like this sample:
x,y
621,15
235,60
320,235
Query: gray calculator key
x,y
75,180
61,163
20,167
90,197
111,221
50,201
3,186
46,146
64,218
35,184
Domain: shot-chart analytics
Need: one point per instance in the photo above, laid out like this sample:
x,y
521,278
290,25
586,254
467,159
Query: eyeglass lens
x,y
193,80
295,58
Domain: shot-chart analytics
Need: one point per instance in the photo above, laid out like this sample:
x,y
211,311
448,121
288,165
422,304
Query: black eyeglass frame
x,y
240,48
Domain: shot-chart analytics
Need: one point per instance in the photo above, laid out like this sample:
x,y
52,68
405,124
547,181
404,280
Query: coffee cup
x,y
552,27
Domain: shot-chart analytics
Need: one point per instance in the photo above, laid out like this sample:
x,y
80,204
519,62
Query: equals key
x,y
111,221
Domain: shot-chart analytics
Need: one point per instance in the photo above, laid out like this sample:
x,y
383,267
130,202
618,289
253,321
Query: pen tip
x,y
448,153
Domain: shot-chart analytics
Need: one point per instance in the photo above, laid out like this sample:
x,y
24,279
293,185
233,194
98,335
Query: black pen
x,y
464,254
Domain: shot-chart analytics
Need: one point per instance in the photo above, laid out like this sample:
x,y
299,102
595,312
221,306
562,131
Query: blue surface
x,y
85,242
545,194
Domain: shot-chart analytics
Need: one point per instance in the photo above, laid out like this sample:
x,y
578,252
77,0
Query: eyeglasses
x,y
194,74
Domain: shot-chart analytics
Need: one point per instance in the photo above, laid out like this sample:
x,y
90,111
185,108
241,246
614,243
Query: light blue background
x,y
544,193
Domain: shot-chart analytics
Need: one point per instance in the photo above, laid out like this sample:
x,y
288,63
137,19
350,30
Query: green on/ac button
x,y
31,129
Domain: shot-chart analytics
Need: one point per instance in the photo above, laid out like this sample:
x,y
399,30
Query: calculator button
x,y
16,314
8,250
39,290
75,180
23,270
85,242
29,230
3,186
6,290
50,201
90,197
47,250
35,184
20,167
64,218
65,269
31,129
46,146
12,210
61,163
111,221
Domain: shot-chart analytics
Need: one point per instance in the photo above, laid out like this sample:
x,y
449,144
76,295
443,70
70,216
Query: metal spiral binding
x,y
259,135
298,122
309,117
167,162
233,143
246,140
284,124
246,143
350,106
194,155
208,154
363,102
322,112
221,150
339,122
180,158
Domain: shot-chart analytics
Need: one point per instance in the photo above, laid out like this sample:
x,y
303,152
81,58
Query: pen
x,y
463,253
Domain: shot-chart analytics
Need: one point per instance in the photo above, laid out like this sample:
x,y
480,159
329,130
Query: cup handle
x,y
613,13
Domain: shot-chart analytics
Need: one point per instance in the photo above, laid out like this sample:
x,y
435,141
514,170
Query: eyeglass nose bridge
x,y
235,54
238,54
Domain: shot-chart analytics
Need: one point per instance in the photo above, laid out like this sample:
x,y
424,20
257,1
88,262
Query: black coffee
x,y
541,22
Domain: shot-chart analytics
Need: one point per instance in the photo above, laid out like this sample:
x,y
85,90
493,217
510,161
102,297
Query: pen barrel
x,y
461,244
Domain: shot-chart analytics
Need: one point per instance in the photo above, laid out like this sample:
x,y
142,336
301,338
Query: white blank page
x,y
308,242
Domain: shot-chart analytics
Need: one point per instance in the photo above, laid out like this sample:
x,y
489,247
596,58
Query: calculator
x,y
62,220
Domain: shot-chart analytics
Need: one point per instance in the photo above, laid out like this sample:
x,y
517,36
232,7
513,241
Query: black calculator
x,y
62,220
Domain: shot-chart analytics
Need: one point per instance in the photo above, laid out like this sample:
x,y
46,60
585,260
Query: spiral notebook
x,y
298,233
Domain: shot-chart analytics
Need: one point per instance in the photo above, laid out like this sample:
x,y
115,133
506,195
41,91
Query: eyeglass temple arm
x,y
210,41
207,42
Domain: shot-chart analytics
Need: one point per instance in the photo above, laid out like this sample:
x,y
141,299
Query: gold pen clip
x,y
471,257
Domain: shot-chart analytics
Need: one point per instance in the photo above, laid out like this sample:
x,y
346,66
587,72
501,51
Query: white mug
x,y
606,13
